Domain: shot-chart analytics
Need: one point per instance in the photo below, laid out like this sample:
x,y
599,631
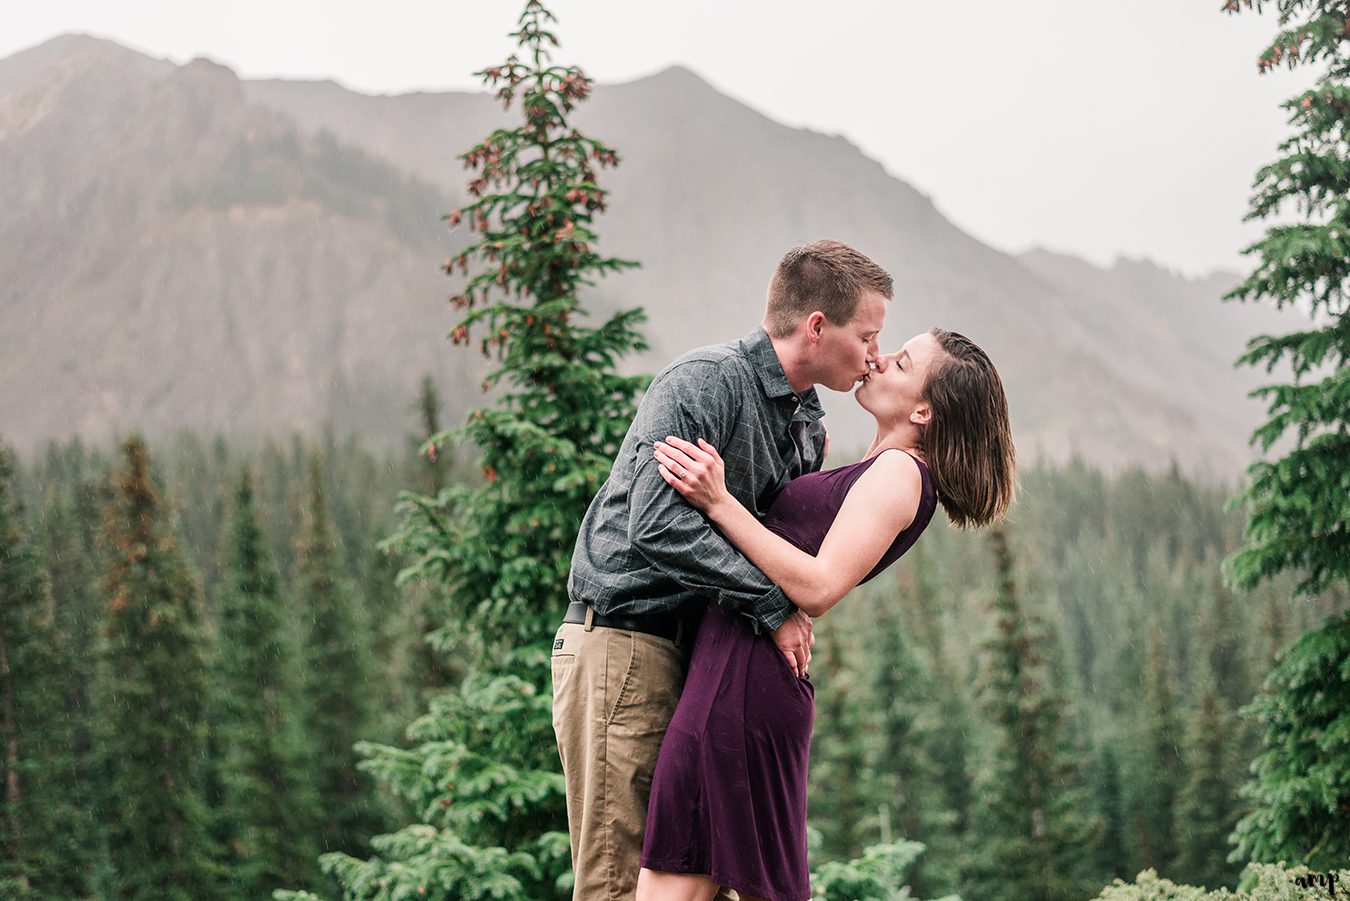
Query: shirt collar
x,y
758,349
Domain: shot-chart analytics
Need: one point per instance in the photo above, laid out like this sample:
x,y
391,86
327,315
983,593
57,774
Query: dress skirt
x,y
728,796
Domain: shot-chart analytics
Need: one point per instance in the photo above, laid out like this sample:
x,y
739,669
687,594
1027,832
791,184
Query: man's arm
x,y
879,506
696,399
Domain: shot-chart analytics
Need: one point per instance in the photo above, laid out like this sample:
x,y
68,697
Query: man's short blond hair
x,y
828,276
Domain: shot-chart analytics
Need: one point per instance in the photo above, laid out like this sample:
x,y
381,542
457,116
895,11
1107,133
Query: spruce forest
x,y
305,669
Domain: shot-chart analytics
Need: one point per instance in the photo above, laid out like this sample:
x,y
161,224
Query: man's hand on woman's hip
x,y
794,638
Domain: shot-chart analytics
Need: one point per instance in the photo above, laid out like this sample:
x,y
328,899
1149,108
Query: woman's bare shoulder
x,y
892,485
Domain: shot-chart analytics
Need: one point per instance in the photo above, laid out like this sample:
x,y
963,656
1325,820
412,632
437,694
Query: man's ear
x,y
921,415
815,324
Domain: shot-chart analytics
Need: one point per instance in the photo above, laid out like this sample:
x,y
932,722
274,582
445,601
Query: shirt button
x,y
796,400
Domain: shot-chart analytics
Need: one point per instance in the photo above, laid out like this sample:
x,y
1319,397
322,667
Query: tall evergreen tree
x,y
1035,829
200,517
429,422
1301,784
40,823
917,597
840,801
269,807
901,770
1229,653
430,670
484,770
1111,859
152,690
394,641
1298,505
1225,635
336,660
68,531
947,698
281,493
1156,775
1207,803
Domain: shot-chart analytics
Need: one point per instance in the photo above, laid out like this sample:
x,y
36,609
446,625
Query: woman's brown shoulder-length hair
x,y
968,440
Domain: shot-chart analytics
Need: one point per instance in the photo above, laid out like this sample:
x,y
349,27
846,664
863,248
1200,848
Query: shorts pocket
x,y
645,696
621,661
563,662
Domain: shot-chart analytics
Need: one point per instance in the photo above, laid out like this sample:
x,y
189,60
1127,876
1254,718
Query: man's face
x,y
845,352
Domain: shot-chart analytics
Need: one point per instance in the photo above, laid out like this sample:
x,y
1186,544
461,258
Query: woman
x,y
728,800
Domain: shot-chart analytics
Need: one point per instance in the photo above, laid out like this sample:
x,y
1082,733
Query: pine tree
x,y
839,802
902,770
394,641
483,773
281,494
429,419
1034,830
268,802
197,472
336,672
431,670
1227,651
946,698
534,256
68,532
1301,789
40,823
1298,506
1207,805
1111,859
1155,779
151,697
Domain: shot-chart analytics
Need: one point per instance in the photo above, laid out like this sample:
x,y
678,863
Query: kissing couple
x,y
682,701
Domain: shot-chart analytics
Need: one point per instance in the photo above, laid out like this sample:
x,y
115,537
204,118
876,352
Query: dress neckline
x,y
876,456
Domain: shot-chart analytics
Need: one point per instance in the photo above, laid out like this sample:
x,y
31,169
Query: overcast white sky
x,y
1092,127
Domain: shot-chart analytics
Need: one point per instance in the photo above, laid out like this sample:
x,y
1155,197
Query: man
x,y
645,561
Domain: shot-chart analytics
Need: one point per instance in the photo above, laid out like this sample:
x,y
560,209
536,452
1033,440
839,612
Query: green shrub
x,y
1272,883
878,875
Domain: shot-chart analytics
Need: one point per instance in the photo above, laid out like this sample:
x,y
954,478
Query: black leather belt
x,y
662,625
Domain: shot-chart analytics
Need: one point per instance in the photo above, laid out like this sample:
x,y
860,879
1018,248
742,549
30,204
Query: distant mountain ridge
x,y
183,248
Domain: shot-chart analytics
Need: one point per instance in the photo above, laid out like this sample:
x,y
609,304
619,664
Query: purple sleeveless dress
x,y
728,796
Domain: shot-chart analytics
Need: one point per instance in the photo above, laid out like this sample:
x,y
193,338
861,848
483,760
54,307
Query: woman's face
x,y
894,391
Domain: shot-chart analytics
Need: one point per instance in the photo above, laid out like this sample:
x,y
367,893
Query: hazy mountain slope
x,y
1168,333
173,255
710,193
179,247
73,52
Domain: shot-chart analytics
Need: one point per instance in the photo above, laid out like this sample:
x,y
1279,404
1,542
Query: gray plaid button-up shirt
x,y
642,548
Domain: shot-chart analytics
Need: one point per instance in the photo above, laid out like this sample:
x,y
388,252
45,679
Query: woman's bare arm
x,y
880,504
